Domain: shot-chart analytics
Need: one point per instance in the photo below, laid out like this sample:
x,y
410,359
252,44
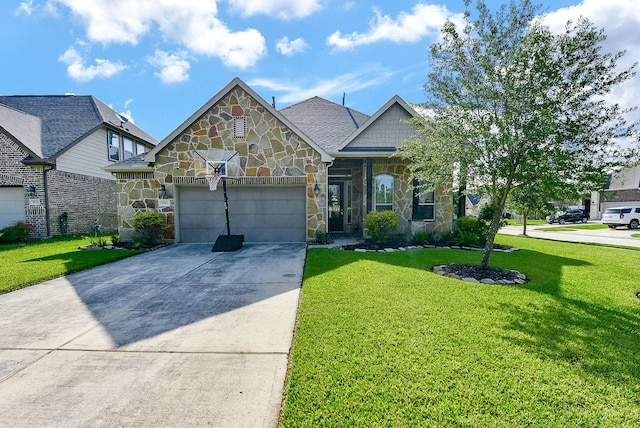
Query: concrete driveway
x,y
179,336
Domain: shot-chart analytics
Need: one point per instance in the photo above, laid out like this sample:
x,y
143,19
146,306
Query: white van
x,y
622,216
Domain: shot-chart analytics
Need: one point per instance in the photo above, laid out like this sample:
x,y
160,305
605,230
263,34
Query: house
x,y
313,166
623,189
52,151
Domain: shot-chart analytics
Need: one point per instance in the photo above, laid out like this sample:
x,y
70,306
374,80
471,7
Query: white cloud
x,y
291,47
77,69
424,20
349,82
620,20
283,9
25,7
192,24
174,68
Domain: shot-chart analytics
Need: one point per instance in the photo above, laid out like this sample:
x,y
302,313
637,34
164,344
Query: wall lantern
x,y
316,189
163,191
31,190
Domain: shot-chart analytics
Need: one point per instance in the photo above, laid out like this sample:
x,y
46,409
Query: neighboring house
x,y
313,166
52,151
622,190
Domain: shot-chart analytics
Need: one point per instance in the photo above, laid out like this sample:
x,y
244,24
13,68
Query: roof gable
x,y
384,131
66,119
23,127
324,121
236,82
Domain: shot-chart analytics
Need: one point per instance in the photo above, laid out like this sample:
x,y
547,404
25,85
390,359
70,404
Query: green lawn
x,y
520,222
572,227
23,265
382,341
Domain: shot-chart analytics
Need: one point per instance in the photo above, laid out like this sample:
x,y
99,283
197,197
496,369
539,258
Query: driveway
x,y
620,237
179,336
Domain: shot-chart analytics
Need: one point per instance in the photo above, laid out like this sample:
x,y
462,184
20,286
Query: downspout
x,y
46,198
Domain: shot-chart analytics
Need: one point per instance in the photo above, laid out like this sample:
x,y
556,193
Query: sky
x,y
158,61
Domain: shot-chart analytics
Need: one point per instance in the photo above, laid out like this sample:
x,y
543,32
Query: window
x,y
114,146
383,197
127,152
424,203
121,147
239,127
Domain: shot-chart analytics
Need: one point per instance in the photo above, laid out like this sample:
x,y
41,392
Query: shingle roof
x,y
325,122
65,119
23,126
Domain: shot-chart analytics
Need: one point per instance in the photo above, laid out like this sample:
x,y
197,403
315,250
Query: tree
x,y
510,102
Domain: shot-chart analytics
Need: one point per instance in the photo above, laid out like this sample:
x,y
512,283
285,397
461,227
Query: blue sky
x,y
158,61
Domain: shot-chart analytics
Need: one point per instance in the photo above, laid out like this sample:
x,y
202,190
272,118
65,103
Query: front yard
x,y
382,341
23,265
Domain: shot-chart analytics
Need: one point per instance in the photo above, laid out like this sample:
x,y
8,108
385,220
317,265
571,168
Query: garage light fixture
x,y
31,190
316,189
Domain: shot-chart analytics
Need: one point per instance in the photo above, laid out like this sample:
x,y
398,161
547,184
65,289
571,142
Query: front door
x,y
336,207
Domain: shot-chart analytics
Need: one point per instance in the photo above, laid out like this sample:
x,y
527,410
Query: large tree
x,y
509,102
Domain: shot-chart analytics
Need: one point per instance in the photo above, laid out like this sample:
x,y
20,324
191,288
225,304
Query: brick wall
x,y
84,199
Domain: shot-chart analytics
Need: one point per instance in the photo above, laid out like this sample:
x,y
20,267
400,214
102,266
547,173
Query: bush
x,y
379,224
421,237
322,237
149,225
16,233
472,231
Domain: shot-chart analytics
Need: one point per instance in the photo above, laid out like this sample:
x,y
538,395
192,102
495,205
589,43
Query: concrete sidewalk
x,y
175,337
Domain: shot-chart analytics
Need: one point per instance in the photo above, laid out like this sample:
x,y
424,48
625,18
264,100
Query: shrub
x,y
97,240
115,239
15,233
472,231
420,237
149,225
322,237
380,223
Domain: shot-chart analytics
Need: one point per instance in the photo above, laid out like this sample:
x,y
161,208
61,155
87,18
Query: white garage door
x,y
11,205
261,214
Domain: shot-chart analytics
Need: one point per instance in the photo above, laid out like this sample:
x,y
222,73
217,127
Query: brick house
x,y
52,151
313,166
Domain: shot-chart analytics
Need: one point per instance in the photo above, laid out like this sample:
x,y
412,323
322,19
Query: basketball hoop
x,y
213,180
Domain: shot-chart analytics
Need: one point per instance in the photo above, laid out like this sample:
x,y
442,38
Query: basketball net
x,y
213,180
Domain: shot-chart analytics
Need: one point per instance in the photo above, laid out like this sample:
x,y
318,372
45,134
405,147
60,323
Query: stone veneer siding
x,y
84,198
403,199
270,154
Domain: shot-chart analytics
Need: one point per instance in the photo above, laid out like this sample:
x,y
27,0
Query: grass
x,y
24,265
572,227
635,235
382,341
520,222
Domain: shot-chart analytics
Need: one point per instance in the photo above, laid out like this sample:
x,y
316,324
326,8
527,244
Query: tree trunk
x,y
491,236
524,223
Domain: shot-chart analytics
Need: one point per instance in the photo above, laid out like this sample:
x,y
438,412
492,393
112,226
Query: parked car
x,y
569,216
622,216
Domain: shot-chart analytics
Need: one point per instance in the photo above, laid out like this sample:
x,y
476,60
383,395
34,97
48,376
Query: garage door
x,y
11,205
261,214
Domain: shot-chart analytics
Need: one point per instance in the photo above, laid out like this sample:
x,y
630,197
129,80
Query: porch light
x,y
316,189
31,190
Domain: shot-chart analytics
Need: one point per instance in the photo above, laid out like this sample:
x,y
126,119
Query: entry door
x,y
336,207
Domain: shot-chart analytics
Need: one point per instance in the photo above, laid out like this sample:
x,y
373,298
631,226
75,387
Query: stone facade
x,y
403,200
355,171
85,199
269,154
